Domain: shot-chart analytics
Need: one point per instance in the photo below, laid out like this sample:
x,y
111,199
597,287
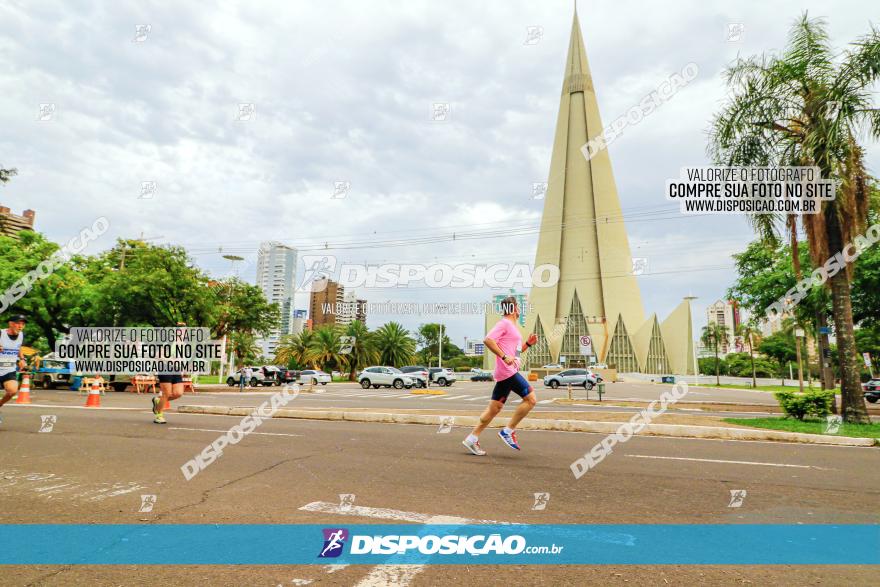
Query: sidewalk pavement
x,y
593,422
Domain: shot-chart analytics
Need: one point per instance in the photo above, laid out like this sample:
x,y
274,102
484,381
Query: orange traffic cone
x,y
94,398
167,406
24,392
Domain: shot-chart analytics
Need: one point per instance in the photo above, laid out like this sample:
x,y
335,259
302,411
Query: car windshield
x,y
54,365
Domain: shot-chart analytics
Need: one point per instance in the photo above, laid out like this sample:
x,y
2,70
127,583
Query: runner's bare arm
x,y
493,346
533,338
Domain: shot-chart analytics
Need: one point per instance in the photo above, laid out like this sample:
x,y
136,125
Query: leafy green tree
x,y
245,348
240,307
53,302
295,350
6,174
137,284
711,365
779,346
713,336
363,352
325,348
747,365
748,331
394,345
427,339
802,108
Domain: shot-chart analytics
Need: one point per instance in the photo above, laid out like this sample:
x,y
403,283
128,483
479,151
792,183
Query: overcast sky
x,y
343,91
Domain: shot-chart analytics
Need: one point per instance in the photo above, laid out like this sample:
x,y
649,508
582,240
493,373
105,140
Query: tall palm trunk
x,y
851,398
717,366
853,404
752,358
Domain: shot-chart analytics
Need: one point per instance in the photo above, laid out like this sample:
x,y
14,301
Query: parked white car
x,y
384,377
310,375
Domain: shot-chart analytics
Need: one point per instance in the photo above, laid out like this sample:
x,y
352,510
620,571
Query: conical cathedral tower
x,y
583,233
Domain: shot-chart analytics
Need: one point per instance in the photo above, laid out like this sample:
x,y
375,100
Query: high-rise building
x,y
351,309
726,314
327,296
11,224
276,277
583,234
331,304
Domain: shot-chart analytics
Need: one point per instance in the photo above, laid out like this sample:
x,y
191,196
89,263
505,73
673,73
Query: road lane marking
x,y
213,430
456,396
729,462
63,407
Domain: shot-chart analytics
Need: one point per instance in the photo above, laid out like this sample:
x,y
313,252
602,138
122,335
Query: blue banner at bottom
x,y
275,544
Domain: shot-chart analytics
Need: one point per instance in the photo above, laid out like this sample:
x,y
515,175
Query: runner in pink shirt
x,y
504,340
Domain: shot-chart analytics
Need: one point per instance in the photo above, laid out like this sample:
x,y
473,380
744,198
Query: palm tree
x,y
394,345
295,348
802,108
326,346
713,335
747,330
363,353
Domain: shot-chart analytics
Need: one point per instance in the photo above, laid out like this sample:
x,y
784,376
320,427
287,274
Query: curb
x,y
669,430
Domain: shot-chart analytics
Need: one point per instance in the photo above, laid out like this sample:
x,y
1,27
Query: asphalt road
x,y
94,466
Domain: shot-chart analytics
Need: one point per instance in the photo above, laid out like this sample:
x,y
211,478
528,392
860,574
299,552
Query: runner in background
x,y
11,357
171,387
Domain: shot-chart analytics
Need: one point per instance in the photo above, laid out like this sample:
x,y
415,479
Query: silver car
x,y
385,377
583,377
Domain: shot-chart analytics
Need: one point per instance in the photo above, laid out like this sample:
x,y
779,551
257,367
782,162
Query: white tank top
x,y
9,355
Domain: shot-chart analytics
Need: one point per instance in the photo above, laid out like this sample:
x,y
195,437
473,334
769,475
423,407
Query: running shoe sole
x,y
155,401
510,442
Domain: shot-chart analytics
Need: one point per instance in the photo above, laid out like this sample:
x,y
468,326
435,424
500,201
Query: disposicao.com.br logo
x,y
430,544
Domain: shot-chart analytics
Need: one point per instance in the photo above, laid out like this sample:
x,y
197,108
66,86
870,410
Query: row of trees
x,y
390,344
809,106
139,284
771,356
131,284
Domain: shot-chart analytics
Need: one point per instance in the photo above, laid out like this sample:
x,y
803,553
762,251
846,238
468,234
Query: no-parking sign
x,y
586,343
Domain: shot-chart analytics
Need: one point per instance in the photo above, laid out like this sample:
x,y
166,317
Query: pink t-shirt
x,y
506,335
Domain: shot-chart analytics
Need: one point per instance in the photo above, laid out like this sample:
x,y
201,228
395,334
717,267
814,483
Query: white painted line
x,y
729,462
213,430
384,575
62,407
455,396
545,401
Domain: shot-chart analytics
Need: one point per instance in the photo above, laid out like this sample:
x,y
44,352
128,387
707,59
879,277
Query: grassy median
x,y
809,426
769,388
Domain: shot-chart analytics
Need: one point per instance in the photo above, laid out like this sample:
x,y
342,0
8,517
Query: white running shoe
x,y
474,447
